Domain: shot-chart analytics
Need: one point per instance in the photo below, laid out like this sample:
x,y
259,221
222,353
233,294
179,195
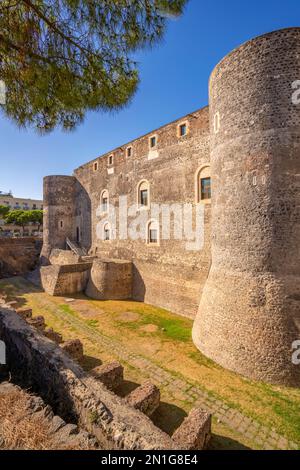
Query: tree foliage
x,y
60,58
4,210
22,218
36,217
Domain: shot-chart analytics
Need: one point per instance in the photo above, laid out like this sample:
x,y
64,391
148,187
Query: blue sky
x,y
174,82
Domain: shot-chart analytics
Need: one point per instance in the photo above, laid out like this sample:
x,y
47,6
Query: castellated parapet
x,y
246,274
249,313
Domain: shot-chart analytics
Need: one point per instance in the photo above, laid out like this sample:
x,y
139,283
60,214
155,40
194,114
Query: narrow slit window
x,y
104,201
182,130
153,141
106,234
104,204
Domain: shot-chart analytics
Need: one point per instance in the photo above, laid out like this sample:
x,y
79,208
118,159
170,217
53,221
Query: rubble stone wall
x,y
18,255
35,361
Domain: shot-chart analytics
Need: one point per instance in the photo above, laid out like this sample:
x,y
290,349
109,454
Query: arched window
x,y
203,185
104,201
152,232
106,232
143,194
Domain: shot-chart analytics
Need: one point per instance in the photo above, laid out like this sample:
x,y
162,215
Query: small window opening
x,y
153,141
205,188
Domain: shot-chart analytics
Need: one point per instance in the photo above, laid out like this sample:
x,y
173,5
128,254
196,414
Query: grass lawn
x,y
165,339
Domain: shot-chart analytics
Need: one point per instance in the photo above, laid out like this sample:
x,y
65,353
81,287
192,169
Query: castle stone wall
x,y
110,280
167,275
249,313
65,279
59,212
247,271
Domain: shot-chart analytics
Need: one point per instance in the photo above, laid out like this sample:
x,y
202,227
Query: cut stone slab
x,y
53,335
74,348
24,312
195,431
111,375
37,322
145,398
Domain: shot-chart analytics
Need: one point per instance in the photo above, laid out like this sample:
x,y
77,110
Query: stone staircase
x,y
75,247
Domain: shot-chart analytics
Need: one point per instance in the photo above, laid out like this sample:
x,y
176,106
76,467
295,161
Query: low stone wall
x,y
65,279
18,255
29,411
62,257
35,361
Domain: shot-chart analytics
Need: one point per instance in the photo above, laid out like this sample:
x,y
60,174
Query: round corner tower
x,y
249,314
59,208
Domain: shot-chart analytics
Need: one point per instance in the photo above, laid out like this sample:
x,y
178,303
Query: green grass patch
x,y
67,309
92,323
168,328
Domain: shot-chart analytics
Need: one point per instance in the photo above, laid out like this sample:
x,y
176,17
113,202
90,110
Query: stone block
x,y
145,398
53,335
24,312
65,279
195,431
37,322
111,375
74,348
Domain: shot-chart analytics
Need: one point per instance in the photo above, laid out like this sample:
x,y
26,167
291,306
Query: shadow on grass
x,y
14,288
125,388
168,417
89,362
225,443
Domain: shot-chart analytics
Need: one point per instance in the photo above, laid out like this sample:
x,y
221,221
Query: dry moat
x,y
152,343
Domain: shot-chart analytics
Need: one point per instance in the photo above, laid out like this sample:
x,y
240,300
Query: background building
x,y
16,203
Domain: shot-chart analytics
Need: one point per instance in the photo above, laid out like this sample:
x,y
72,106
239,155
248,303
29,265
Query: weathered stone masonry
x,y
167,275
246,277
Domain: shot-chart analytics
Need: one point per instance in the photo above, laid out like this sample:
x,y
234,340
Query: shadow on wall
x,y
139,289
83,218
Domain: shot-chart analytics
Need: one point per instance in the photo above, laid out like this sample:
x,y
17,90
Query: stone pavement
x,y
181,389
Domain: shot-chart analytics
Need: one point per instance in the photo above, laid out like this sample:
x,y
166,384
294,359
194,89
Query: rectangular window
x,y
182,130
144,197
104,204
129,151
153,141
34,207
106,234
205,188
110,159
153,236
95,166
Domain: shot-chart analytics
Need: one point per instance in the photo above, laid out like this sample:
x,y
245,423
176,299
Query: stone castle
x,y
243,285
